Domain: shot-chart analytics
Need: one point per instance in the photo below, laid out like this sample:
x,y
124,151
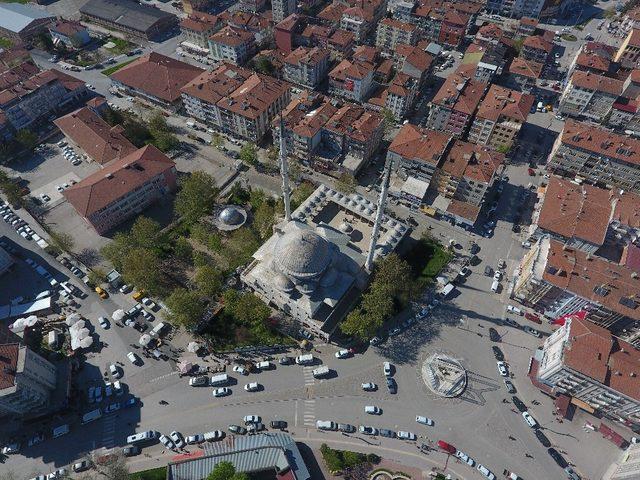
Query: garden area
x,y
193,266
427,258
156,131
347,463
159,473
115,68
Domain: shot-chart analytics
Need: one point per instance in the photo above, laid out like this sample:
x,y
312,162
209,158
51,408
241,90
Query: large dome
x,y
302,254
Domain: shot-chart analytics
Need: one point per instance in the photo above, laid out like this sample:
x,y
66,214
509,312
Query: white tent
x,y
118,315
193,347
144,340
73,318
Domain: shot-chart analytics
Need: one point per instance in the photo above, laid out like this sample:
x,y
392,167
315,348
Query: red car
x,y
447,447
532,172
532,317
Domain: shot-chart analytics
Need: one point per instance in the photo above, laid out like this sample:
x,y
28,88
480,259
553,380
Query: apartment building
x,y
358,20
527,26
453,27
413,61
156,79
596,155
26,380
629,52
467,172
198,27
232,45
281,9
500,117
488,60
557,280
252,6
523,75
453,107
401,9
352,136
392,32
400,95
595,368
303,119
260,25
588,95
352,79
306,66
536,49
417,152
341,43
123,188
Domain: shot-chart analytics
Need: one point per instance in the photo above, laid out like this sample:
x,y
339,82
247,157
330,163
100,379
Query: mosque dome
x,y
231,216
302,255
283,284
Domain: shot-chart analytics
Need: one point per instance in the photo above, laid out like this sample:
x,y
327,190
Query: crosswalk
x,y
308,375
309,414
109,431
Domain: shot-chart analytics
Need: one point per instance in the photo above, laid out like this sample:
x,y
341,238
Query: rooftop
x,y
306,55
504,102
460,93
96,137
232,36
212,86
126,13
526,68
9,353
420,144
398,25
469,160
15,17
157,75
117,179
414,56
600,141
355,122
538,43
256,95
307,114
351,69
199,22
67,28
599,83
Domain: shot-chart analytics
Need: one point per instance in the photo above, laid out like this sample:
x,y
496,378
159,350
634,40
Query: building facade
x,y
352,80
589,95
198,27
391,33
232,45
281,9
71,34
306,66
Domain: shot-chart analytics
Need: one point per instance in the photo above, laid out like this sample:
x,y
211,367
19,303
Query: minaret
x,y
382,202
284,171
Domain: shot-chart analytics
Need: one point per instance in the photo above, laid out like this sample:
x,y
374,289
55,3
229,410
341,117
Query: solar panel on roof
x,y
628,302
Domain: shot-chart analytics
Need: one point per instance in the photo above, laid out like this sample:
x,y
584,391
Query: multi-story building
x,y
198,27
155,78
123,188
26,381
71,34
500,117
536,49
597,156
352,79
455,104
530,8
358,20
22,23
523,75
253,6
488,59
589,95
352,136
341,43
306,66
401,9
303,119
591,366
281,9
233,45
559,280
413,61
417,152
453,27
260,25
594,57
629,52
193,6
467,172
392,32
400,95
236,100
527,26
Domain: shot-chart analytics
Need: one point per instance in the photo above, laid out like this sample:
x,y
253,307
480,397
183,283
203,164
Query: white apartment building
x,y
232,45
589,95
392,32
306,66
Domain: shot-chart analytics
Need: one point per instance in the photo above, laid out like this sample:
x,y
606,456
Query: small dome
x,y
345,227
231,216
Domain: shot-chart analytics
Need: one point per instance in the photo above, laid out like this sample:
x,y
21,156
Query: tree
x,y
388,119
118,250
185,306
182,249
27,139
62,240
263,65
346,183
245,308
197,196
97,276
146,233
360,325
249,153
263,220
226,471
391,274
158,122
164,141
216,140
209,281
142,268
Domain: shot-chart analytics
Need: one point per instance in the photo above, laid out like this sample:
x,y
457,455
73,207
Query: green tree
x,y
197,196
142,268
146,233
158,122
97,276
209,281
62,240
245,308
346,183
388,119
263,65
263,220
240,246
119,249
182,249
360,324
27,139
249,153
391,274
164,141
186,306
216,140
226,471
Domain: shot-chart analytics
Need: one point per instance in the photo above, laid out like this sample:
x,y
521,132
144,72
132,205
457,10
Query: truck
x,y
446,290
321,372
219,380
91,416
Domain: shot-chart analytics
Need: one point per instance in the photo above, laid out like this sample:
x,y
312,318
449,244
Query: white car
x,y
149,303
114,371
388,369
221,392
465,458
369,387
252,387
486,472
177,439
104,323
529,419
497,275
133,358
125,288
372,410
241,370
502,369
424,420
514,310
406,435
251,419
194,439
11,449
59,473
167,442
343,354
366,430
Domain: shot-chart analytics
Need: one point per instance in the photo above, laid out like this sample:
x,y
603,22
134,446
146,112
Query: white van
x,y
214,435
158,329
141,437
495,286
198,381
321,372
326,425
60,431
540,107
264,365
91,416
219,380
306,359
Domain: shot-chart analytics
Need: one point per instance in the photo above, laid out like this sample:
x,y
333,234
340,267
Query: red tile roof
x,y
538,43
157,75
355,122
347,69
96,137
526,68
464,210
420,144
332,12
217,84
199,22
398,25
308,56
465,159
504,102
414,56
117,179
599,83
307,114
8,364
67,28
232,36
460,93
593,61
601,141
255,96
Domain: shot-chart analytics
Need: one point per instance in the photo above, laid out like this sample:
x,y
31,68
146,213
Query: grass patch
x,y
121,46
338,460
115,68
159,473
5,43
569,37
427,259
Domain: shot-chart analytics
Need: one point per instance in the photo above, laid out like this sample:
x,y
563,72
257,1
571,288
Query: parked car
x,y
392,386
177,439
369,387
104,323
237,429
115,371
529,420
532,317
81,466
546,443
346,428
465,458
510,387
366,430
130,450
387,368
424,420
494,336
240,369
514,310
518,403
167,442
384,432
279,424
497,353
372,410
221,392
532,331
343,354
285,360
251,419
194,439
402,435
252,387
502,369
559,459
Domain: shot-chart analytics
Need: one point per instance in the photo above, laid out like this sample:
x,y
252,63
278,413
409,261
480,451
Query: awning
x,y
415,187
583,405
